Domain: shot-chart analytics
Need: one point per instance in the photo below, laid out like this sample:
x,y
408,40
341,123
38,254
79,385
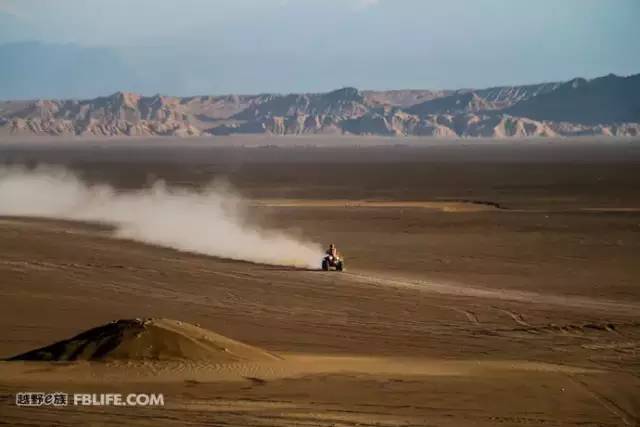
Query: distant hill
x,y
506,96
346,102
605,100
402,98
466,102
121,114
604,106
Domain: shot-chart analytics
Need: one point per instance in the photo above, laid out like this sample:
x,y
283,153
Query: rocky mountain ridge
x,y
608,105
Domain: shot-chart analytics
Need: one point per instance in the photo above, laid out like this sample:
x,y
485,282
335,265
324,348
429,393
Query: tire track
x,y
529,297
611,406
470,315
517,317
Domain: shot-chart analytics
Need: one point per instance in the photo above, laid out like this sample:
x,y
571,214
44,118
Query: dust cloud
x,y
213,221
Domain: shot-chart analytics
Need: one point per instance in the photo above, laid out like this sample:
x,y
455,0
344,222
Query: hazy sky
x,y
308,45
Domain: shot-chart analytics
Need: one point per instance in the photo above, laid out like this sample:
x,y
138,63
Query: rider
x,y
332,251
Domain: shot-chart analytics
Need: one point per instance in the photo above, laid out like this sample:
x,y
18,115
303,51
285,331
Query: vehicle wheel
x,y
339,266
325,265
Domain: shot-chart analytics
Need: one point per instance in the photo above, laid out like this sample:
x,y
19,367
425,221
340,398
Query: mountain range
x,y
608,106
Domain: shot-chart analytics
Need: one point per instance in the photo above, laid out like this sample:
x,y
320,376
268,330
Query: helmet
x,y
332,246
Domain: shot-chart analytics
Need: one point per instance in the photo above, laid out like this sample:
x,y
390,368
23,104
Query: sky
x,y
253,46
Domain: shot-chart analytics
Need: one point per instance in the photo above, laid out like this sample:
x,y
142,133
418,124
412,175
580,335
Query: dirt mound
x,y
149,339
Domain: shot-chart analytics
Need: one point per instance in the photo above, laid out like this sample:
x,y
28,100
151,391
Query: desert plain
x,y
487,283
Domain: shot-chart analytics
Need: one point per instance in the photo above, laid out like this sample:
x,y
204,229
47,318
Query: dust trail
x,y
212,221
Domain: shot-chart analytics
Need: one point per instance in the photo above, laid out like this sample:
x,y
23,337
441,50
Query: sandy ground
x,y
526,314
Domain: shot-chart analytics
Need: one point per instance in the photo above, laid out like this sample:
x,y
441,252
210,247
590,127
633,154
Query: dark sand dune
x,y
148,339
